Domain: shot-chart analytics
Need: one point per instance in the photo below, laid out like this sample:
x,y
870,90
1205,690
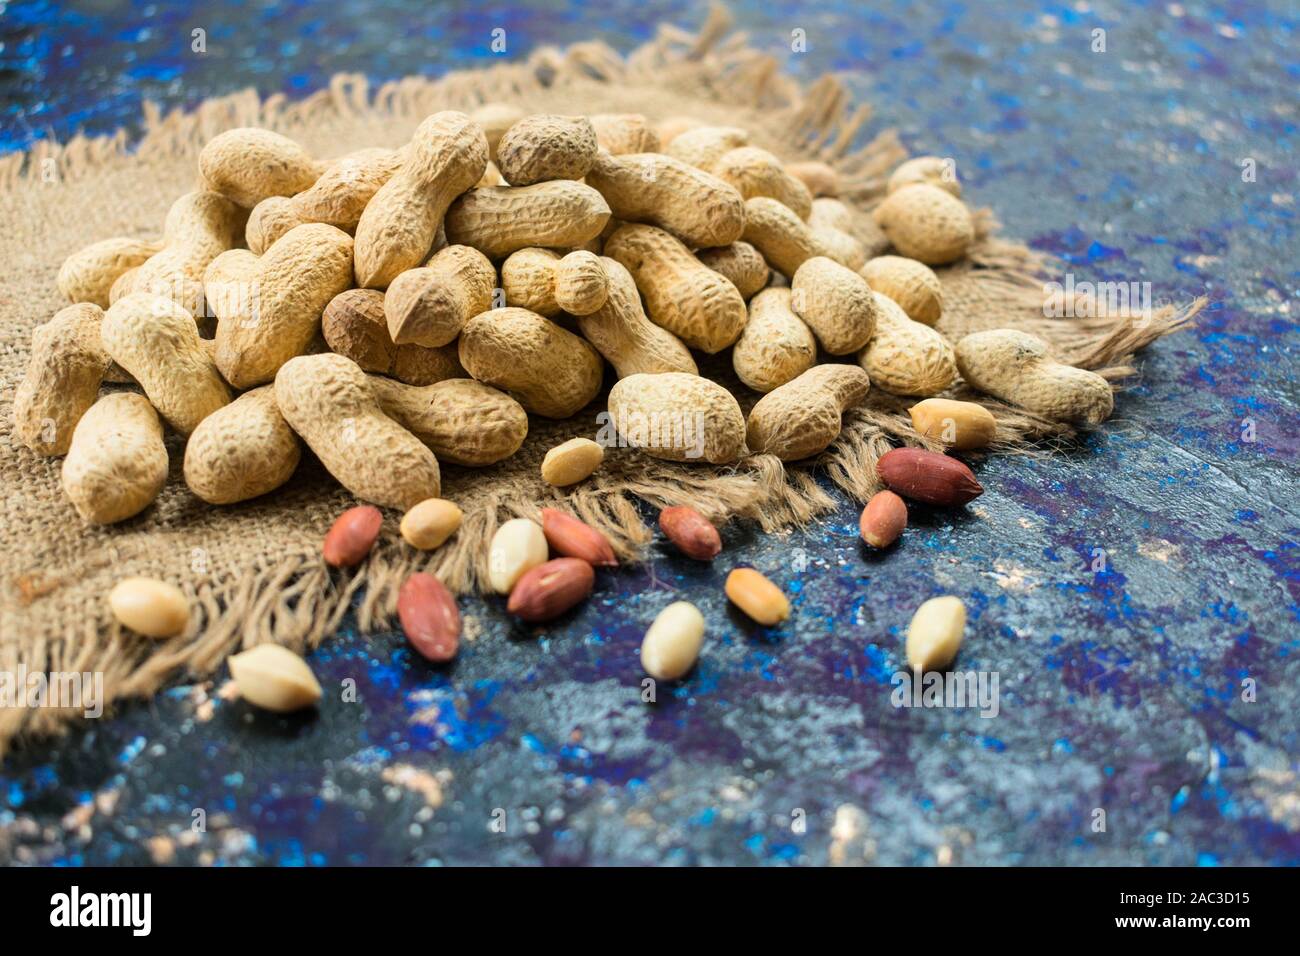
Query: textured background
x,y
1121,689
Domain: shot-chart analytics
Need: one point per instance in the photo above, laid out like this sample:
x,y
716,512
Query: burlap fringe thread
x,y
297,601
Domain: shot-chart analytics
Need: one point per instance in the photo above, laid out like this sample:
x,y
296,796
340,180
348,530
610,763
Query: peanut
x,y
622,133
543,282
576,539
926,223
462,421
702,145
696,207
550,372
758,597
248,164
694,535
906,357
1018,368
913,285
430,618
832,224
269,308
883,519
499,220
672,127
430,523
571,462
89,273
62,381
802,417
960,425
430,305
776,346
544,147
157,342
821,179
545,592
682,295
242,450
446,156
352,536
149,607
494,119
741,263
672,643
199,227
678,417
836,303
354,325
274,678
928,477
117,463
518,546
935,633
931,170
123,285
784,240
756,172
337,198
620,331
328,401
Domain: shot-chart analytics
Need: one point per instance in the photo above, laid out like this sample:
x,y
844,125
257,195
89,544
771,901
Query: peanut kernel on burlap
x,y
255,568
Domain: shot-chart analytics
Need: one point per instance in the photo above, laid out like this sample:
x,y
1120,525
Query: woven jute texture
x,y
254,570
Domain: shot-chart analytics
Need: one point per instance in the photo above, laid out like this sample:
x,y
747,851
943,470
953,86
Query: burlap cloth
x,y
254,569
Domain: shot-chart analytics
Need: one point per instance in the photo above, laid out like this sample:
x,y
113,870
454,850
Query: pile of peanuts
x,y
392,309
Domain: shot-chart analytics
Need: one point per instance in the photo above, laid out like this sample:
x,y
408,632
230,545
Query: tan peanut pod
x,y
776,346
830,213
328,401
242,450
123,285
462,421
430,305
784,239
337,198
927,224
158,343
802,417
499,220
756,172
696,207
89,273
622,133
621,332
269,308
544,147
544,282
62,380
741,263
926,169
117,463
446,156
682,295
913,285
672,127
678,417
551,372
906,357
1018,367
199,227
248,164
836,303
701,145
354,325
820,178
494,119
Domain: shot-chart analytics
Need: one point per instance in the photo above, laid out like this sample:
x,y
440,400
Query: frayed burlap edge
x,y
295,600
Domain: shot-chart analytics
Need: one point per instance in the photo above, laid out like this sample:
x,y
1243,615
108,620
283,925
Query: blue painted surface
x,y
1122,590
